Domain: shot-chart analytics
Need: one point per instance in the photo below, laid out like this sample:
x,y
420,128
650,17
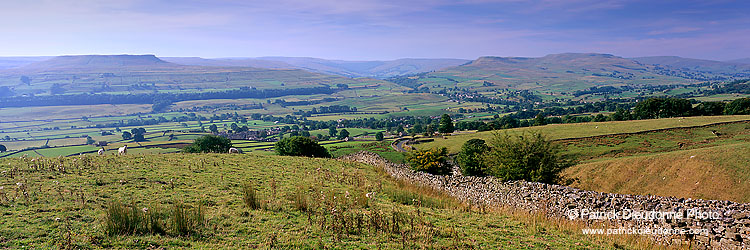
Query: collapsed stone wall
x,y
706,224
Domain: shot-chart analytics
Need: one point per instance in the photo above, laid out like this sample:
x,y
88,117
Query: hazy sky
x,y
369,29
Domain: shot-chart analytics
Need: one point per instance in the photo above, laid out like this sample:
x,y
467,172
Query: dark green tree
x,y
529,157
653,108
213,128
446,124
539,120
469,159
710,108
127,135
300,146
343,134
738,107
332,131
209,144
3,148
379,136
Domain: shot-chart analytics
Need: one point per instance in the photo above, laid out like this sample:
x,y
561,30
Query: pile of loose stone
x,y
709,224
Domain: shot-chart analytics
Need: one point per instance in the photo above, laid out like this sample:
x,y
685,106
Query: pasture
x,y
249,201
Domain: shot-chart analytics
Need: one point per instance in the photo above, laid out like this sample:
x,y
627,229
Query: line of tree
x,y
151,98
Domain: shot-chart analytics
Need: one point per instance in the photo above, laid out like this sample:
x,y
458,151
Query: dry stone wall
x,y
703,224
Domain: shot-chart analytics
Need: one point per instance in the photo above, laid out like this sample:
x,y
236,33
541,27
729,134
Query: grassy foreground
x,y
300,203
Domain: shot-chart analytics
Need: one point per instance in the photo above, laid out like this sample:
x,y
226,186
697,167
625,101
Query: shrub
x,y
124,219
250,197
3,148
379,136
469,159
431,161
209,144
529,157
300,146
187,221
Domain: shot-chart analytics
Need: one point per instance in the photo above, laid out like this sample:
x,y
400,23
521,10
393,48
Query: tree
x,y
90,140
209,144
379,136
539,120
138,134
663,108
343,134
213,128
738,107
332,131
300,146
446,124
127,135
3,148
26,80
710,108
620,115
431,161
529,157
469,159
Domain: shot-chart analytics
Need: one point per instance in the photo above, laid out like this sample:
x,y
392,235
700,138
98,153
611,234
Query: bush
x,y
529,157
250,196
209,144
300,146
469,159
431,161
124,219
379,136
3,148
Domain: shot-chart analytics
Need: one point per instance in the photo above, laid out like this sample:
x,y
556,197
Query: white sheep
x,y
123,150
100,152
234,151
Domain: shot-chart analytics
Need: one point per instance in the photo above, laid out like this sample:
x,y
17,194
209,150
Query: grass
x,y
716,173
66,203
576,130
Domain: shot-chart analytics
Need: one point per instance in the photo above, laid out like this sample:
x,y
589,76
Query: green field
x,y
562,131
301,203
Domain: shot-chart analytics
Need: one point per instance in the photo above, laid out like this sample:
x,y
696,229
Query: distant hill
x,y
228,62
742,61
377,69
147,74
15,62
97,62
700,65
556,72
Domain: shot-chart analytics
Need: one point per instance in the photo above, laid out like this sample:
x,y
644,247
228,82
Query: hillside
x,y
229,62
700,65
743,61
146,73
212,201
97,62
556,72
716,173
15,62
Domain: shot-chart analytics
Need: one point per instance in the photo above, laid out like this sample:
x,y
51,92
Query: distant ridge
x,y
377,69
742,61
96,62
696,64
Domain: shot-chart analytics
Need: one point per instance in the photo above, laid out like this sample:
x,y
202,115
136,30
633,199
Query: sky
x,y
376,30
